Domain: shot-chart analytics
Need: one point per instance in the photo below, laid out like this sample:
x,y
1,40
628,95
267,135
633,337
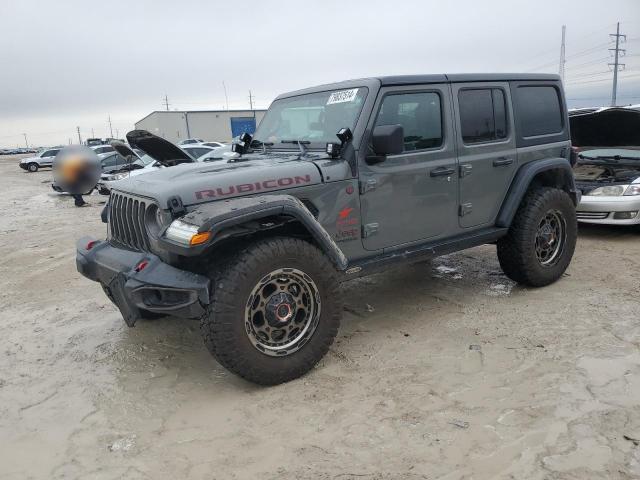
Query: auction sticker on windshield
x,y
342,96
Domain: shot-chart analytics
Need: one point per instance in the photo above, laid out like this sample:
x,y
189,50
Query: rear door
x,y
411,196
47,158
486,149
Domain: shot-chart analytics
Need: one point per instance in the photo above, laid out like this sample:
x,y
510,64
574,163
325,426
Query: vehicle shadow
x,y
596,231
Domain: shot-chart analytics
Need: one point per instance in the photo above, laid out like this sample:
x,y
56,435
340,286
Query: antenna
x,y
226,97
562,55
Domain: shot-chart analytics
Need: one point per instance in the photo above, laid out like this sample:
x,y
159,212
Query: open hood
x,y
123,149
608,127
158,148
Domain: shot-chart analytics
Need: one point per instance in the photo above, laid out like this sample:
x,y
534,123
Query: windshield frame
x,y
310,144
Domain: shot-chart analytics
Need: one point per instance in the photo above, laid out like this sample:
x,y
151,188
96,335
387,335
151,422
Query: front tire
x,y
32,167
275,310
541,239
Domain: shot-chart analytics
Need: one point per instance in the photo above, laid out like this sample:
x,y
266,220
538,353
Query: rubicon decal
x,y
271,184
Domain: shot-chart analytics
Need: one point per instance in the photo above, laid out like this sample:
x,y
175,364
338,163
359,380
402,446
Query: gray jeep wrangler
x,y
339,181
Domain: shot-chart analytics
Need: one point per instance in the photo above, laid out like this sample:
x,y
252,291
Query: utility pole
x,y
226,97
117,134
110,127
166,102
25,140
79,137
250,101
617,52
562,56
93,133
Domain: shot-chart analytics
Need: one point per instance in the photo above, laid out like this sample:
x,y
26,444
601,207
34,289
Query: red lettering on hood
x,y
270,184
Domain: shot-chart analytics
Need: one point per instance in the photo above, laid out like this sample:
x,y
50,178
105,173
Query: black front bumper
x,y
158,287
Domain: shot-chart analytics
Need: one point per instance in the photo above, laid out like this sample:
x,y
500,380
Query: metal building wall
x,y
208,125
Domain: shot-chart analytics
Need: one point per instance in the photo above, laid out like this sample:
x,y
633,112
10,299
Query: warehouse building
x,y
209,125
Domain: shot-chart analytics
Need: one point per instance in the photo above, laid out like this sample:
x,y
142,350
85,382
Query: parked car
x,y
607,170
379,172
42,159
189,141
102,150
139,163
219,153
197,150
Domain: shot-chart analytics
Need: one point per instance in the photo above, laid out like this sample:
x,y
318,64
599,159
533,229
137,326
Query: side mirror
x,y
388,140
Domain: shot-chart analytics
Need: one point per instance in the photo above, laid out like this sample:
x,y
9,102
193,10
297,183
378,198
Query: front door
x,y
412,196
486,150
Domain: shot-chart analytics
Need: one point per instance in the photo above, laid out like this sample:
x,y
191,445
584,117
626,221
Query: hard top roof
x,y
422,79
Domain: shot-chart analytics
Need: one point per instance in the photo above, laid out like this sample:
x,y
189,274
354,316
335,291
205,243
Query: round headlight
x,y
155,220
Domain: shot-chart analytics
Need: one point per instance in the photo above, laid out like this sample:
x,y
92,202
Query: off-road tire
x,y
33,167
223,325
516,250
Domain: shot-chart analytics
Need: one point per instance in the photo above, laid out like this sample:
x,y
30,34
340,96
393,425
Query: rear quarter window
x,y
539,110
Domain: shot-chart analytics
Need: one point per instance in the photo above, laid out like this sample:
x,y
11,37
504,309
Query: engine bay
x,y
585,172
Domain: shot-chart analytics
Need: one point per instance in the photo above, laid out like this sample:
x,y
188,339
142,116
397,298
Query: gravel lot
x,y
443,370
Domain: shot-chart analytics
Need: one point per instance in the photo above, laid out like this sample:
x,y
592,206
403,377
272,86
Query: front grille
x,y
592,215
126,221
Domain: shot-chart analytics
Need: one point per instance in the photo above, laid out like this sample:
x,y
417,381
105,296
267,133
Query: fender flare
x,y
220,215
522,180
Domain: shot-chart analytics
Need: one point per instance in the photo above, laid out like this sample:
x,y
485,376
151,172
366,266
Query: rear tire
x,y
541,239
275,310
32,167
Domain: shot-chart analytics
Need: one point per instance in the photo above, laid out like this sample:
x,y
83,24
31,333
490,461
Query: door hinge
x,y
465,170
370,184
369,229
465,209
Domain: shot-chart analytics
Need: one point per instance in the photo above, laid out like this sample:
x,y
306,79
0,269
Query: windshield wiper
x,y
609,157
301,144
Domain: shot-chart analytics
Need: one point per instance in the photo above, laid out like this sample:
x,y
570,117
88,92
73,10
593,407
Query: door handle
x,y
502,161
442,172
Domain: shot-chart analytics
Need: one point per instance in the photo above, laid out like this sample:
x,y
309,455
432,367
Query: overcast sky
x,y
73,63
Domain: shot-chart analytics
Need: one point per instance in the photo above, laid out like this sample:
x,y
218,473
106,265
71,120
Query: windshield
x,y
313,118
144,160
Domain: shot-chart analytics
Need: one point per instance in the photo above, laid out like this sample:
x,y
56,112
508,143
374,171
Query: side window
x,y
420,115
483,116
539,110
50,153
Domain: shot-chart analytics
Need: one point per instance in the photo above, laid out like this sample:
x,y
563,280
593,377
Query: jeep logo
x,y
253,187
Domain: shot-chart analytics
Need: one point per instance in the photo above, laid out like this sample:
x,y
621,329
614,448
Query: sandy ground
x,y
444,370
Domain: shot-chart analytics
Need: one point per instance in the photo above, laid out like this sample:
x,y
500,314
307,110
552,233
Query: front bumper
x,y
592,209
23,166
158,287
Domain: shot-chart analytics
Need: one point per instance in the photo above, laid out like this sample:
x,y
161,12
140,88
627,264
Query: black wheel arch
x,y
259,216
550,172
